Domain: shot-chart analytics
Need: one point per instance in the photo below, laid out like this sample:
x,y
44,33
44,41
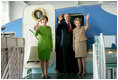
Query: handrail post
x,y
95,67
99,59
103,57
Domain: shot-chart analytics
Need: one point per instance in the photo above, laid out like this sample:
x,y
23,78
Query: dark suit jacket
x,y
64,37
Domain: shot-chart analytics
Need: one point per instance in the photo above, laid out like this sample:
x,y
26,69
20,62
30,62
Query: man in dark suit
x,y
64,39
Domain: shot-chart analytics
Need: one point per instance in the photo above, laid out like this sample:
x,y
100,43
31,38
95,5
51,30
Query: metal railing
x,y
99,60
12,57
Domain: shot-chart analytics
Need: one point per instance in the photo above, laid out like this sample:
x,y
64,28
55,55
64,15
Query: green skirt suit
x,y
45,42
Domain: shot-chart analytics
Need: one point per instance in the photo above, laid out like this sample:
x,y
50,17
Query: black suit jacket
x,y
63,35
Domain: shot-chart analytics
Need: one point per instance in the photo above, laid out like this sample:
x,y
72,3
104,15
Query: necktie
x,y
69,27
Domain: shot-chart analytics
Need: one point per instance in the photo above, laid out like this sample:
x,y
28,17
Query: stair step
x,y
59,76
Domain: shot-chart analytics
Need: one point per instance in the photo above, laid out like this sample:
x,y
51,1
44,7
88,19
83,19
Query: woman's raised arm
x,y
87,22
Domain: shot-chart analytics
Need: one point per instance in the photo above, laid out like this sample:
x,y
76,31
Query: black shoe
x,y
47,77
43,77
56,70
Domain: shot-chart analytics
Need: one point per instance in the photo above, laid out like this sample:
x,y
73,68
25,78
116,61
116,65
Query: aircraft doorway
x,y
79,15
59,49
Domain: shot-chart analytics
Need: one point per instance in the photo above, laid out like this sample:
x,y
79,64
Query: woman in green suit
x,y
45,44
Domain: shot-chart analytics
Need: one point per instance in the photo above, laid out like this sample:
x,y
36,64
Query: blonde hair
x,y
78,19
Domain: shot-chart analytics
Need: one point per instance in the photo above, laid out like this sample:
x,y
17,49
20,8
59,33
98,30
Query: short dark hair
x,y
43,17
67,14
